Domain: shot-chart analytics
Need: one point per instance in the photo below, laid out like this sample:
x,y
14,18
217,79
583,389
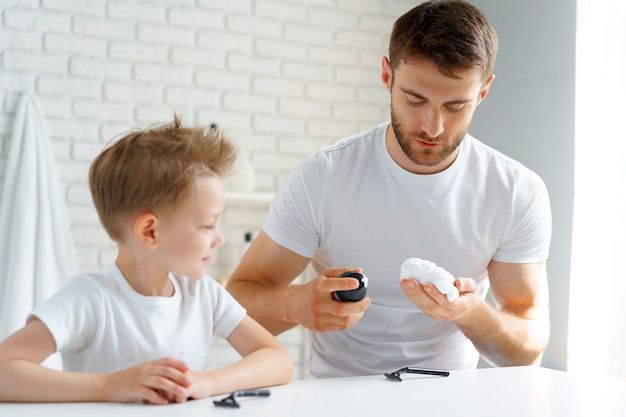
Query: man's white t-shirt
x,y
100,324
350,205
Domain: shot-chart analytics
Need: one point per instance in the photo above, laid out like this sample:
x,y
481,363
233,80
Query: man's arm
x,y
516,331
261,283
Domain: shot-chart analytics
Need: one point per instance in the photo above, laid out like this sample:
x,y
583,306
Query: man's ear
x,y
145,229
485,90
386,74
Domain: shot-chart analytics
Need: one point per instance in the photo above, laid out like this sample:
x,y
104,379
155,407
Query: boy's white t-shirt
x,y
100,324
350,205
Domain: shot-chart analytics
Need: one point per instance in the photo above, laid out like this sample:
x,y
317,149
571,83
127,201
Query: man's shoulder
x,y
490,155
340,155
496,164
487,151
361,139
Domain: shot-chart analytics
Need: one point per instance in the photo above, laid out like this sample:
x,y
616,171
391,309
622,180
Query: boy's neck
x,y
144,277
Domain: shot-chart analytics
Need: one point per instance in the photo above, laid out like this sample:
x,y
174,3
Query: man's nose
x,y
432,123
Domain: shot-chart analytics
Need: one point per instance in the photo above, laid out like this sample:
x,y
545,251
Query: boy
x,y
140,329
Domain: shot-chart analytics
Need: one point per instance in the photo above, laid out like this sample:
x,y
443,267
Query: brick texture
x,y
283,77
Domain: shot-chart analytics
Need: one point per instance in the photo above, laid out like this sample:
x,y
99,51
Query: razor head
x,y
229,402
393,376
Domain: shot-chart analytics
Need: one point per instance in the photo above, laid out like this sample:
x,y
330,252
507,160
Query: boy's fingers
x,y
175,363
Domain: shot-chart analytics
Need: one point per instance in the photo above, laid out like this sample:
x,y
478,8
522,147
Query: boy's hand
x,y
157,382
200,386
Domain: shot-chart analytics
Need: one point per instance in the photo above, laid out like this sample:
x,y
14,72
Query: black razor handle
x,y
352,295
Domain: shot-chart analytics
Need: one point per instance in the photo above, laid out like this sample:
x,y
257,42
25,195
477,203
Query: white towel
x,y
37,254
428,272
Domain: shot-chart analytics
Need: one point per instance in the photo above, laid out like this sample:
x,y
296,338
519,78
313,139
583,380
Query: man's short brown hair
x,y
452,34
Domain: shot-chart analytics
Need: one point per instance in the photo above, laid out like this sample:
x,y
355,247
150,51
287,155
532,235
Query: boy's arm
x,y
265,362
23,379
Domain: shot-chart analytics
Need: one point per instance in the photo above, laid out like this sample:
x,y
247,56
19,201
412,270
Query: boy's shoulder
x,y
100,279
109,282
90,286
198,285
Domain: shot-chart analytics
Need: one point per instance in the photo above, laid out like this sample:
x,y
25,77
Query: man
x,y
419,186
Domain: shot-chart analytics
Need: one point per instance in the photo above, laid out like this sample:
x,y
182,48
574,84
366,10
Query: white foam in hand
x,y
427,272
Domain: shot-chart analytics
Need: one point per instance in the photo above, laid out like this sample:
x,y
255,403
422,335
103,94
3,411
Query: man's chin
x,y
427,160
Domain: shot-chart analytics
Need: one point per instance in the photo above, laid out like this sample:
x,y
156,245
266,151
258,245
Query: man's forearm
x,y
503,338
268,306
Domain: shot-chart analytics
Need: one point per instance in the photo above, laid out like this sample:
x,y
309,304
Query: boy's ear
x,y
144,229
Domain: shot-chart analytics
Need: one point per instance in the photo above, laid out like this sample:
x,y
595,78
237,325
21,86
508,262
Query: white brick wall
x,y
284,77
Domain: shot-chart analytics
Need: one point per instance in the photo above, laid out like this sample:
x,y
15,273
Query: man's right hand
x,y
263,284
314,307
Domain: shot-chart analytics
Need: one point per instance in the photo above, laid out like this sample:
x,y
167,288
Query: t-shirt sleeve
x,y
70,314
293,218
530,232
227,312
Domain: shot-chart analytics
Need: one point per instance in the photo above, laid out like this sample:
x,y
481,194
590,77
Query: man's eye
x,y
414,103
455,109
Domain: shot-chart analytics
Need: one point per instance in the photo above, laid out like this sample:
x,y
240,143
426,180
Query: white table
x,y
510,392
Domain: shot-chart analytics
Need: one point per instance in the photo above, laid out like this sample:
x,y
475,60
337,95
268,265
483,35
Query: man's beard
x,y
420,156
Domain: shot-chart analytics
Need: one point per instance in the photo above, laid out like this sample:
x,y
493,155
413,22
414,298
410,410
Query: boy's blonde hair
x,y
155,169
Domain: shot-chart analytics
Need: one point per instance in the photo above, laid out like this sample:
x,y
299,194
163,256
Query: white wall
x,y
529,115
